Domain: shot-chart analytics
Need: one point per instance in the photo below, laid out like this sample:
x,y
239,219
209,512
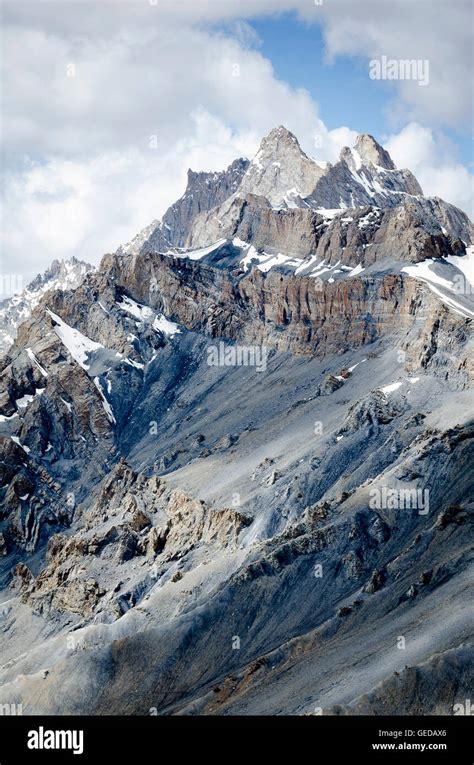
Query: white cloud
x,y
124,89
334,141
86,207
421,29
432,159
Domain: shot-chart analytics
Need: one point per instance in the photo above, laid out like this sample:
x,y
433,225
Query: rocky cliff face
x,y
363,175
204,191
221,466
409,232
286,312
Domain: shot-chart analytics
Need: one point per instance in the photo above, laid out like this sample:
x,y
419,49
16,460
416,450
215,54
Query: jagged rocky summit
x,y
61,275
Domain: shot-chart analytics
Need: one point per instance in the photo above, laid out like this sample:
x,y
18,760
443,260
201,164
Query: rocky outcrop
x,y
33,503
273,203
252,219
411,232
440,686
132,518
364,175
204,192
375,410
369,152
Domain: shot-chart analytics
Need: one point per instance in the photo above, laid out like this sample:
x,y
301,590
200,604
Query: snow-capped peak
x,y
61,275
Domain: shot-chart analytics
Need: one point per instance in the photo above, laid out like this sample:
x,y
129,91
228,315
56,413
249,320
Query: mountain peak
x,y
367,151
280,143
280,136
280,170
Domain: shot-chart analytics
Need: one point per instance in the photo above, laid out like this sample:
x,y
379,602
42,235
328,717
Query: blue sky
x,y
345,95
297,52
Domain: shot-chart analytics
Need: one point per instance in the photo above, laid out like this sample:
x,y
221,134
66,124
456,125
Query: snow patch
x,y
307,264
354,366
240,243
78,345
424,273
22,403
464,263
391,388
272,260
4,418
35,361
328,212
356,270
203,251
17,441
131,363
105,403
164,325
138,311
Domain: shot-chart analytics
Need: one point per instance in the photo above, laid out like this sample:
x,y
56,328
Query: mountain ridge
x,y
358,179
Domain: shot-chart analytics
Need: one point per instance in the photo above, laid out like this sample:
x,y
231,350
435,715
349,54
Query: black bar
x,y
342,739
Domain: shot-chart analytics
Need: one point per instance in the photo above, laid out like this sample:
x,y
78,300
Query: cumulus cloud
x,y
398,29
76,97
88,206
431,157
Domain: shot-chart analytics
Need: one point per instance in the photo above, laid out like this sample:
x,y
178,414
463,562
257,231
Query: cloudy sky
x,y
105,104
